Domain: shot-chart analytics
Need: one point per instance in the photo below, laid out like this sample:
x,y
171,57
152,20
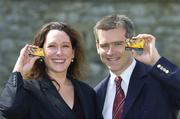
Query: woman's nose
x,y
59,51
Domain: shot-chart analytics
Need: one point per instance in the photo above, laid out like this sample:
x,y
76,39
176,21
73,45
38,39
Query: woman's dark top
x,y
77,108
39,99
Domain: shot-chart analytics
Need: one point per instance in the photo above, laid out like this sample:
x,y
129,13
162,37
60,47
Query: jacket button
x,y
161,68
14,80
158,66
164,69
167,71
43,89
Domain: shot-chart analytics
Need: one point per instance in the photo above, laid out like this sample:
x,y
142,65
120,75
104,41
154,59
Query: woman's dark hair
x,y
75,70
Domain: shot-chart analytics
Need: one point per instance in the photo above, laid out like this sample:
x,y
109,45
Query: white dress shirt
x,y
111,89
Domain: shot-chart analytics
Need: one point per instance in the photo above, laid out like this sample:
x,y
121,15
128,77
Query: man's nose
x,y
110,50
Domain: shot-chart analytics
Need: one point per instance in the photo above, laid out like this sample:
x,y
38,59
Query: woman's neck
x,y
59,77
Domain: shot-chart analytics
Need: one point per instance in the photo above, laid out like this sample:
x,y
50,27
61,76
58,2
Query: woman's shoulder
x,y
31,83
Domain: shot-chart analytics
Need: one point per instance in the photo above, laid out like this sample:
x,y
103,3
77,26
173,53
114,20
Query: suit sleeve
x,y
169,75
14,100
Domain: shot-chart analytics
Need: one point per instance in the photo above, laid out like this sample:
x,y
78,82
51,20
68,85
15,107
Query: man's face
x,y
111,48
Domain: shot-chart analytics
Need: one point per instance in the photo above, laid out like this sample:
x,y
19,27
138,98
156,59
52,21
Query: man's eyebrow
x,y
120,41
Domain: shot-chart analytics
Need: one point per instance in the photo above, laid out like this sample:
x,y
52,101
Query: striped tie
x,y
118,100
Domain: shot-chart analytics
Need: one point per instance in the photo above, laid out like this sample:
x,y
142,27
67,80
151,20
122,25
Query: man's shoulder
x,y
141,67
102,84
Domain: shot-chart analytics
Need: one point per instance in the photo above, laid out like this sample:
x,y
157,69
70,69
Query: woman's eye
x,y
66,46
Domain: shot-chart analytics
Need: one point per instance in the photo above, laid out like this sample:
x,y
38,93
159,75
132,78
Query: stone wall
x,y
19,21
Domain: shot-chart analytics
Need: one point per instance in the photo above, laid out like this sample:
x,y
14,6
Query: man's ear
x,y
97,47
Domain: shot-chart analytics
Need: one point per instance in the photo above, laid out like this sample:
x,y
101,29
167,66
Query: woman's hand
x,y
25,62
150,54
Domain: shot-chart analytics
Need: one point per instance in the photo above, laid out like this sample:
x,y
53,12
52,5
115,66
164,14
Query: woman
x,y
47,88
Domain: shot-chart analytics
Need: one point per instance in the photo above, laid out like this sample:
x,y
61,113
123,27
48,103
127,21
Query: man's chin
x,y
112,68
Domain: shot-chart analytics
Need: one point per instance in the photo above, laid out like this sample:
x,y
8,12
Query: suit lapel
x,y
135,86
101,95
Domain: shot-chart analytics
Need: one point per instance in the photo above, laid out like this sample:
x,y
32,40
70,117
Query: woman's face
x,y
58,51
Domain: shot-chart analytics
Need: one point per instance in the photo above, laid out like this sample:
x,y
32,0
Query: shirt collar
x,y
125,75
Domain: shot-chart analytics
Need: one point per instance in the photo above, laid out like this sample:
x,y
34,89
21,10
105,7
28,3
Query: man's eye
x,y
104,45
118,43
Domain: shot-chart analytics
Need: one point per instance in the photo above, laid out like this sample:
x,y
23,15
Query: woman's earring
x,y
72,60
41,60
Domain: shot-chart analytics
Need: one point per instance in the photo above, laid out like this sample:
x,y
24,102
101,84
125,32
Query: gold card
x,y
36,52
135,43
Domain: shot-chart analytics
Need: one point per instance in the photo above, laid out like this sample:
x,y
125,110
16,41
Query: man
x,y
150,84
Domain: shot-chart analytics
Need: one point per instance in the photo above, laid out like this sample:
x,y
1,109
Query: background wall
x,y
20,20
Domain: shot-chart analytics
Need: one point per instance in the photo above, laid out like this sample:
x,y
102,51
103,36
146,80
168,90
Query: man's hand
x,y
150,54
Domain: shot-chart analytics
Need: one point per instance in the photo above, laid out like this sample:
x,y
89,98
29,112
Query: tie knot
x,y
118,81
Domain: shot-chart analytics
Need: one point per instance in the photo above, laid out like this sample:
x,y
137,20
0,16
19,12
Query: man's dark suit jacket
x,y
153,92
38,99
